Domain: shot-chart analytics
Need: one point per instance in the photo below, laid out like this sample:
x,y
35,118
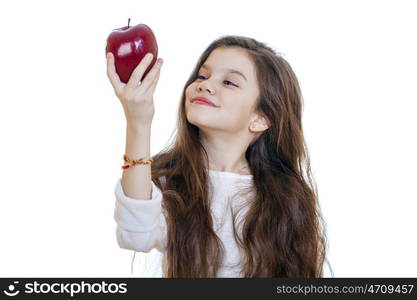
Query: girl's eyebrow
x,y
205,66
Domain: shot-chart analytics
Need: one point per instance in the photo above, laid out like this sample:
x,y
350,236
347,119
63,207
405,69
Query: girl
x,y
233,195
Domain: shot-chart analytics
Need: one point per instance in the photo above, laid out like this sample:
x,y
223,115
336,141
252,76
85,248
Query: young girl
x,y
233,195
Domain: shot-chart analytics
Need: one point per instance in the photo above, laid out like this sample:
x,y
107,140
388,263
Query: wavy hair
x,y
282,233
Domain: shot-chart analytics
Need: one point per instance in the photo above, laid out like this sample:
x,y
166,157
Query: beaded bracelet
x,y
130,163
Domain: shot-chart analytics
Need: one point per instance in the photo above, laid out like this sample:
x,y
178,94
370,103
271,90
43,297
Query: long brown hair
x,y
283,233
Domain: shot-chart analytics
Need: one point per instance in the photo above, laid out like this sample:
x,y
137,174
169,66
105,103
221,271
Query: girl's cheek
x,y
188,90
191,86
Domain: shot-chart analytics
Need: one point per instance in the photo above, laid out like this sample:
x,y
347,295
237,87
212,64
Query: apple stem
x,y
128,22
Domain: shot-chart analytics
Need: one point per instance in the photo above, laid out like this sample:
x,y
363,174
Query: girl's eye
x,y
231,83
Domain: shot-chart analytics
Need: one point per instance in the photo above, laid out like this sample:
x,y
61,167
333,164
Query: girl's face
x,y
227,78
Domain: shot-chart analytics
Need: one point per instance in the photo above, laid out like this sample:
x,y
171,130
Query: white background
x,y
63,129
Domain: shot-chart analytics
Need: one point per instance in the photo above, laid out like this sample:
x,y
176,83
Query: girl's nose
x,y
204,86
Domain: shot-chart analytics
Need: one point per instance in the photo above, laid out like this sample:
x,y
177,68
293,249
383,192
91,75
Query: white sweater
x,y
141,225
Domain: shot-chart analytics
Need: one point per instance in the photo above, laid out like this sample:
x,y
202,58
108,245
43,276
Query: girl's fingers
x,y
149,82
112,74
138,72
152,88
151,76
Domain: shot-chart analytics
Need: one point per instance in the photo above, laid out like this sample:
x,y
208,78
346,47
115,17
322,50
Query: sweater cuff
x,y
137,215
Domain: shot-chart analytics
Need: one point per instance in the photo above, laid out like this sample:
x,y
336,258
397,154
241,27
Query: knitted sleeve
x,y
141,225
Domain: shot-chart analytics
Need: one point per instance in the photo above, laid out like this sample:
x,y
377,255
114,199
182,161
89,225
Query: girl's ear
x,y
260,123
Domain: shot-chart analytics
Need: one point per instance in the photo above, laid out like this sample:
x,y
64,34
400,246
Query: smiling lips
x,y
203,101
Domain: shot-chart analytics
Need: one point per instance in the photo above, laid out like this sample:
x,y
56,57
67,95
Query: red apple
x,y
129,45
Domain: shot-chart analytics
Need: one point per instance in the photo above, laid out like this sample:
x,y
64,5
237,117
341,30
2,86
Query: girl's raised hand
x,y
136,95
